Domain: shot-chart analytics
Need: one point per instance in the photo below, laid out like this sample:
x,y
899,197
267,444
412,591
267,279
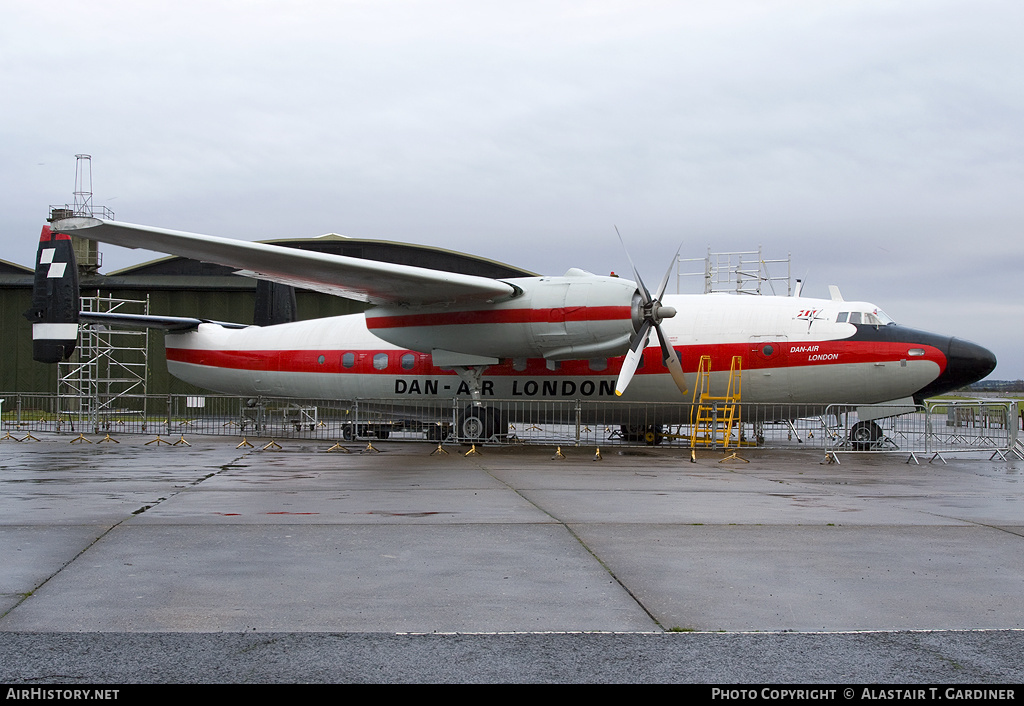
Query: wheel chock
x,y
439,450
245,442
80,437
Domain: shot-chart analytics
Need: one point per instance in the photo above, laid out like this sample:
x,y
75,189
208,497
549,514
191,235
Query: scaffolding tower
x,y
104,382
737,272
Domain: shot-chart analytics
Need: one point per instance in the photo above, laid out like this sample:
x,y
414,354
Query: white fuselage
x,y
792,349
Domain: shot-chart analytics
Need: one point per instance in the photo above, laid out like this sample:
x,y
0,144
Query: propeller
x,y
651,313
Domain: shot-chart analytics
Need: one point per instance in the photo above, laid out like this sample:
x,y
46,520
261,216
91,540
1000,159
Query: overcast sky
x,y
881,143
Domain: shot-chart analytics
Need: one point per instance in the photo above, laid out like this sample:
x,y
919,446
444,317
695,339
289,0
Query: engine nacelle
x,y
573,317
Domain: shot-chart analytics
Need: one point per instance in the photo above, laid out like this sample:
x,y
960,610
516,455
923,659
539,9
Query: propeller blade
x,y
664,281
632,359
653,313
671,360
644,294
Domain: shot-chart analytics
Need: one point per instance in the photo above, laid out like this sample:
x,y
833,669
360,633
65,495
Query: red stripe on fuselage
x,y
793,356
501,316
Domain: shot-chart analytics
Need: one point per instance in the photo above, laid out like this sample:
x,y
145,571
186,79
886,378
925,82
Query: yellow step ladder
x,y
709,422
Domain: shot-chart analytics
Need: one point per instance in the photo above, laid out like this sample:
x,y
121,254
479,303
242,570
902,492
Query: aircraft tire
x,y
652,435
499,424
864,435
476,424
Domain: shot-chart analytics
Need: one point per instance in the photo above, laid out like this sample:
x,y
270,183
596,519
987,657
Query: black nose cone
x,y
966,363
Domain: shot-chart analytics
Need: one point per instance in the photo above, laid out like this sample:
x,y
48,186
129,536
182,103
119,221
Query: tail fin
x,y
54,312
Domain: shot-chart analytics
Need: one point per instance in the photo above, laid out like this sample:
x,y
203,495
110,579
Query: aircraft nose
x,y
966,362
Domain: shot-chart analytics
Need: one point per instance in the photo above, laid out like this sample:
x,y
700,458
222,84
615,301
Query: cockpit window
x,y
883,318
876,317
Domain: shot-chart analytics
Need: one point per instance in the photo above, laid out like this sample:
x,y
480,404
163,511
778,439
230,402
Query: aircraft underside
x,y
854,383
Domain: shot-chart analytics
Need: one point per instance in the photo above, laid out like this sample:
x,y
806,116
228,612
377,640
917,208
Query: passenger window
x,y
380,361
348,359
519,364
598,364
408,360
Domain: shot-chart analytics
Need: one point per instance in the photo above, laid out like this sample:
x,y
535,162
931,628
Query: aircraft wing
x,y
370,281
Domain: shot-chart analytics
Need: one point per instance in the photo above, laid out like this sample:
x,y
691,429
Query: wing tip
x,y
65,225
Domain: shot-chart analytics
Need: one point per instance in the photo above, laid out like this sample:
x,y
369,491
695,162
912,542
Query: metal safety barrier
x,y
988,425
937,429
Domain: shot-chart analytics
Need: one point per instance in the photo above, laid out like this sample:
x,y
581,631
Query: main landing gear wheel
x,y
864,436
476,424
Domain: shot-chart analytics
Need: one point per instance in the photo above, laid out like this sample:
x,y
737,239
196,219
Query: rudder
x,y
55,299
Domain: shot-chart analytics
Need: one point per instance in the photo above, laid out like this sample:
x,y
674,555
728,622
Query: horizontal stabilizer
x,y
165,323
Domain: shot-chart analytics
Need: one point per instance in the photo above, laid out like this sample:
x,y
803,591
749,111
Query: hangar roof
x,y
10,268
